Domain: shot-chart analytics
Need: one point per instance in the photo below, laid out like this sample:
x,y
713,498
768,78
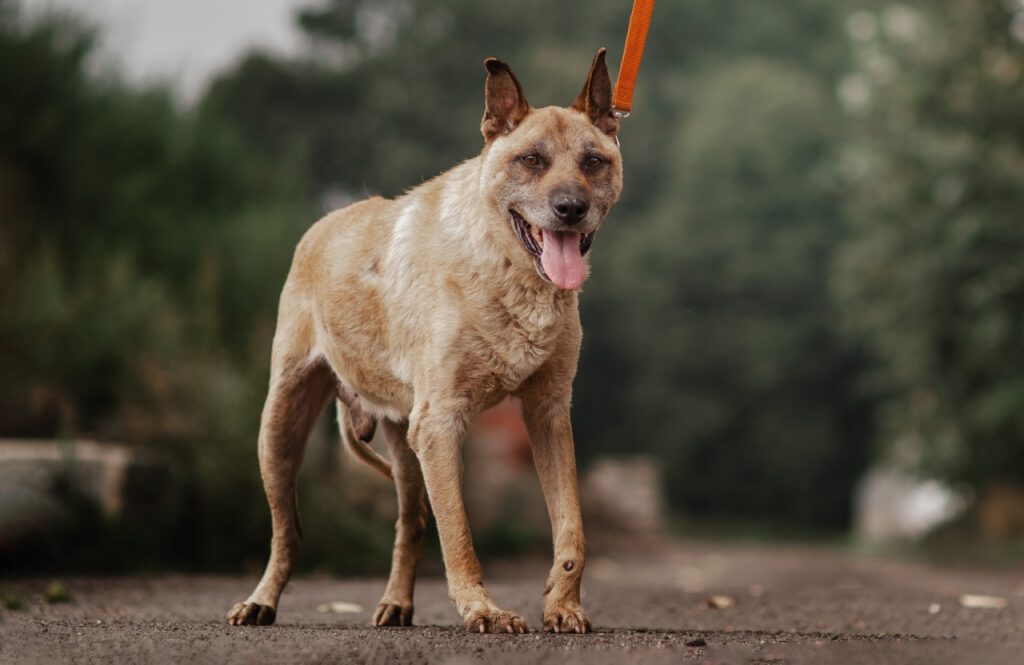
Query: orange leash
x,y
639,21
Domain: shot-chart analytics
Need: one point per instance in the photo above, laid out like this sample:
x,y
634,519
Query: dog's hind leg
x,y
299,391
395,608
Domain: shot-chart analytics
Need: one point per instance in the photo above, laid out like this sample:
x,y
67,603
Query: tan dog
x,y
418,313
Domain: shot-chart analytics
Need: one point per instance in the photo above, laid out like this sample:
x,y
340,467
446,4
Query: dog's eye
x,y
593,161
532,161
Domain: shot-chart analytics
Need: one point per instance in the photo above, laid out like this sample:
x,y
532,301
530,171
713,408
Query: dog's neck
x,y
489,250
480,232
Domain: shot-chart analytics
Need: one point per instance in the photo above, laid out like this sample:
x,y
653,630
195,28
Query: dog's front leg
x,y
547,421
436,432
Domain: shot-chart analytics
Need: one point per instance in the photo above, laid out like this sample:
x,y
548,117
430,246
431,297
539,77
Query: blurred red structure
x,y
503,426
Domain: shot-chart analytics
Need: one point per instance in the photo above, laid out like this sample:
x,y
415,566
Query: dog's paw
x,y
392,614
251,614
566,619
495,621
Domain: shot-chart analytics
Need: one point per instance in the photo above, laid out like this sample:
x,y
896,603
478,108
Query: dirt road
x,y
780,605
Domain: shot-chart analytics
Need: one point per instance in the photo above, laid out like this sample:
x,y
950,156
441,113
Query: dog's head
x,y
552,173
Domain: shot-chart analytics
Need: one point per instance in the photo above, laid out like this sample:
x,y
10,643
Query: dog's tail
x,y
360,446
362,451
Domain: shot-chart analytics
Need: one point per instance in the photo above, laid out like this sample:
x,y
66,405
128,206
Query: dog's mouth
x,y
558,255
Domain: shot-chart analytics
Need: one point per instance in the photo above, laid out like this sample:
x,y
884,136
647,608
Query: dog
x,y
417,313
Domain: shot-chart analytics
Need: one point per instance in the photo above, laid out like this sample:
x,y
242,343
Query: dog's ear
x,y
595,99
505,103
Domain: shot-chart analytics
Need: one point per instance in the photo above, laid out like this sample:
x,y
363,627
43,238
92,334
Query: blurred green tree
x,y
744,386
142,249
709,337
932,279
143,245
123,220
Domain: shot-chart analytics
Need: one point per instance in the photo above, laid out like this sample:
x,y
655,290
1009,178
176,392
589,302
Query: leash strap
x,y
636,36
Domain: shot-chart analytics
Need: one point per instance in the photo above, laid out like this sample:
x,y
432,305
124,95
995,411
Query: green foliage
x,y
142,249
122,222
932,279
709,334
10,601
741,382
820,223
57,592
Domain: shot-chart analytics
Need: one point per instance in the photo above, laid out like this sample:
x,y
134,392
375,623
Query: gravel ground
x,y
788,605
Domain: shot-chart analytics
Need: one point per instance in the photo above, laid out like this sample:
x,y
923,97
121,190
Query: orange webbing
x,y
639,21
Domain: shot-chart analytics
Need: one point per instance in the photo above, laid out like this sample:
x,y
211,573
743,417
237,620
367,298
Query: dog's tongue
x,y
562,259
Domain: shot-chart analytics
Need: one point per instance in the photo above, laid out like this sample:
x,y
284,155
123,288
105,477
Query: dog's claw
x,y
567,620
392,614
251,614
496,621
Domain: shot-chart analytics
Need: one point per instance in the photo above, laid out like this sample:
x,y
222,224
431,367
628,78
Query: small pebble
x,y
719,602
979,601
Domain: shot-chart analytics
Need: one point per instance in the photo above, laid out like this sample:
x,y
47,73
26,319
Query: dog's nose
x,y
569,209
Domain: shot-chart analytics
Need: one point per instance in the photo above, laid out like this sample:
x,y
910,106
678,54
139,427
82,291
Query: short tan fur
x,y
417,313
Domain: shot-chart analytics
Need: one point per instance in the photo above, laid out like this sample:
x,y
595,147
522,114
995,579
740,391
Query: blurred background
x,y
806,315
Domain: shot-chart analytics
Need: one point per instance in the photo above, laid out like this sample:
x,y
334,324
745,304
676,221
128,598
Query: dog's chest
x,y
510,338
526,341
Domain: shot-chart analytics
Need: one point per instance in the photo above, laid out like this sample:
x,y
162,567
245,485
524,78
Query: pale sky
x,y
182,41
